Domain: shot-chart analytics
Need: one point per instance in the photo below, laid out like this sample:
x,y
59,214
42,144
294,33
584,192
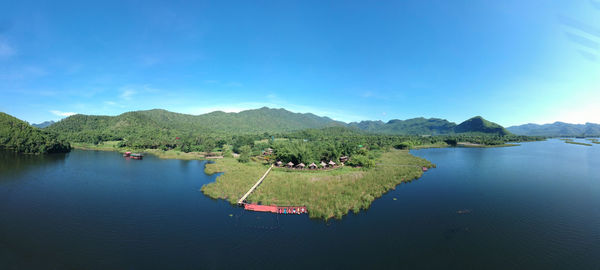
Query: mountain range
x,y
557,129
260,121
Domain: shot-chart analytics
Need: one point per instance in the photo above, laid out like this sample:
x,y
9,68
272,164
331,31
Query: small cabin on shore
x,y
343,159
300,166
279,163
312,166
331,163
290,165
323,164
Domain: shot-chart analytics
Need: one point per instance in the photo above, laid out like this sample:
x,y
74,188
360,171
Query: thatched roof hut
x,y
312,166
279,163
300,166
290,164
343,159
323,164
331,163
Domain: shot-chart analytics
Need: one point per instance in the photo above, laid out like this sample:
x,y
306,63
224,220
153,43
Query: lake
x,y
536,206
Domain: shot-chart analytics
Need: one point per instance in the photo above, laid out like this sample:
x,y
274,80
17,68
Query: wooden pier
x,y
241,201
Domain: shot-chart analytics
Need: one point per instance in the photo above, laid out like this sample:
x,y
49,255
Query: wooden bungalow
x,y
331,163
343,159
300,166
279,163
323,164
312,166
290,165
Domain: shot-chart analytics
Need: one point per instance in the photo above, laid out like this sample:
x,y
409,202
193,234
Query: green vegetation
x,y
21,137
326,194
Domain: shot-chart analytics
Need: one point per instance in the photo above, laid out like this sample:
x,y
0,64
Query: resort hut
x,y
331,163
343,159
323,164
278,163
300,166
312,166
290,165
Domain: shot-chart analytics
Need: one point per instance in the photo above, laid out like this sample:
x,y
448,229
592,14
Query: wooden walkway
x,y
241,201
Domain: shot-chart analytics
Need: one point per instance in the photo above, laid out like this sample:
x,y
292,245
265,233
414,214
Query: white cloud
x,y
129,91
127,94
62,114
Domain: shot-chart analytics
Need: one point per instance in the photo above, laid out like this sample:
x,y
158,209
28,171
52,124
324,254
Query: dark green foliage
x,y
557,129
361,161
245,152
21,137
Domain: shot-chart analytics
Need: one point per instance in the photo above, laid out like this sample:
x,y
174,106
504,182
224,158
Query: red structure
x,y
276,209
424,169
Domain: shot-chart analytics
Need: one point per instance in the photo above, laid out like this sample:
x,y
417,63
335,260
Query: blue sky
x,y
512,62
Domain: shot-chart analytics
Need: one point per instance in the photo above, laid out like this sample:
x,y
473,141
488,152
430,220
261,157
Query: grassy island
x,y
574,142
326,194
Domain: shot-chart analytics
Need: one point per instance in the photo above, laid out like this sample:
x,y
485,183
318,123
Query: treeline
x,y
19,136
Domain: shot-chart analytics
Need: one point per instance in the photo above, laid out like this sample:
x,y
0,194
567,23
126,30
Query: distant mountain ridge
x,y
414,126
557,129
43,124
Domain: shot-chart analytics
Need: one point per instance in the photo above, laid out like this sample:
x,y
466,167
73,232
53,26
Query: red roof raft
x,y
276,209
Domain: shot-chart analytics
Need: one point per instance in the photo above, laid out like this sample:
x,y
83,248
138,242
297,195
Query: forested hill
x,y
557,129
415,126
479,125
21,137
158,123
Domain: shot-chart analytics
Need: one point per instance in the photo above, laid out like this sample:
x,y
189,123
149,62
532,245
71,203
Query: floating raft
x,y
276,209
133,155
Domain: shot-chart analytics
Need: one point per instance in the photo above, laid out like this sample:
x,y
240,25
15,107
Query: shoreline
x,y
169,154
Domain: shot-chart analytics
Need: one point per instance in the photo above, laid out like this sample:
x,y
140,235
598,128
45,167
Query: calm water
x,y
531,207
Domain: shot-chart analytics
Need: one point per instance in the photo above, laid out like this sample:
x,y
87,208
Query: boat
x,y
127,154
425,169
136,156
297,210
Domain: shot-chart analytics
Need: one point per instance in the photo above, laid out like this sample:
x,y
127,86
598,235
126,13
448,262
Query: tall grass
x,y
326,194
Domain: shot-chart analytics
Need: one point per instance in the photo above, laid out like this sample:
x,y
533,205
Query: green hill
x,y
21,137
415,126
479,125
